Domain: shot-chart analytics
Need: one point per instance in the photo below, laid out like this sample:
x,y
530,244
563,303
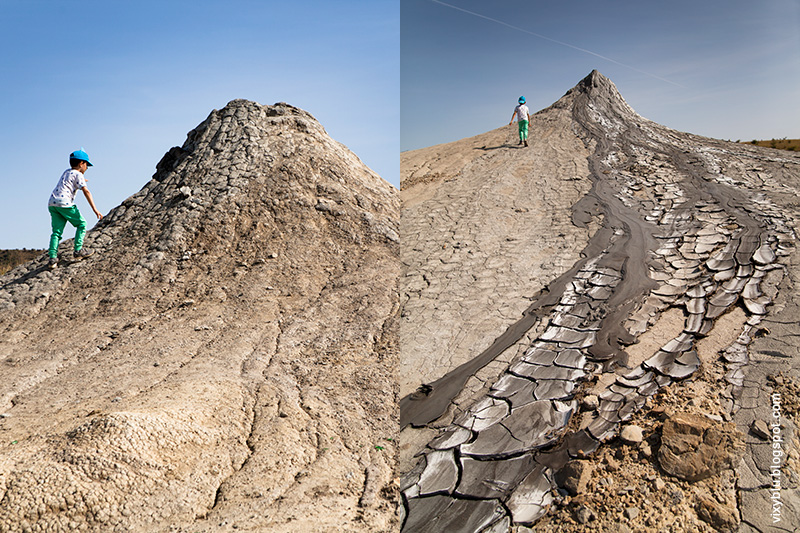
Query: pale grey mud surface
x,y
608,358
226,359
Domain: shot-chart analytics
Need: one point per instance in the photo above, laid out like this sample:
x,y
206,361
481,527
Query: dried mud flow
x,y
225,361
614,277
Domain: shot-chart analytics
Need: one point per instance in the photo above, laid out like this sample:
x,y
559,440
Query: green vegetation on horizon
x,y
11,258
781,144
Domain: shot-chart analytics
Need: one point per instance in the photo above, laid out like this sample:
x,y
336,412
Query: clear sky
x,y
128,80
728,69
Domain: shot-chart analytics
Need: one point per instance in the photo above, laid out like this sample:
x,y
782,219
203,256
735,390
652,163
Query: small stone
x,y
631,513
660,413
574,476
590,403
631,434
584,514
626,490
659,484
760,429
720,517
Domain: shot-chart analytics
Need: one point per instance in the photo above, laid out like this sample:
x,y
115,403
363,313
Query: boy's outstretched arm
x,y
89,199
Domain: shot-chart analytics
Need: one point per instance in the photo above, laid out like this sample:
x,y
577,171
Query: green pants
x,y
523,130
59,216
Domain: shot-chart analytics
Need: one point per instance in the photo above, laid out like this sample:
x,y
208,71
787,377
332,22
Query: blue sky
x,y
128,80
728,69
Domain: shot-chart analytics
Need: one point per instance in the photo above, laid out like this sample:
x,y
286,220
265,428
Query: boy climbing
x,y
523,117
63,209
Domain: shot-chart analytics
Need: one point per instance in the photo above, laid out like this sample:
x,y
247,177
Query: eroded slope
x,y
693,261
226,358
485,226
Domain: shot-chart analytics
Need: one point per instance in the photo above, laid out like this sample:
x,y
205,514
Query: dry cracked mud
x,y
226,358
595,333
568,306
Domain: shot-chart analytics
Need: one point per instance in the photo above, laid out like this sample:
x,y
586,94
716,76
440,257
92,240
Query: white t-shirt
x,y
522,112
69,184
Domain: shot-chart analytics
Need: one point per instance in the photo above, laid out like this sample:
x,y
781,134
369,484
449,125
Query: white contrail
x,y
539,35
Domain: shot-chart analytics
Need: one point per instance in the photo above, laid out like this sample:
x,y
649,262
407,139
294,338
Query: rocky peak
x,y
597,82
597,87
596,96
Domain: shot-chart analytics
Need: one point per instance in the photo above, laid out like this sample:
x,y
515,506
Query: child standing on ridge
x,y
523,117
63,209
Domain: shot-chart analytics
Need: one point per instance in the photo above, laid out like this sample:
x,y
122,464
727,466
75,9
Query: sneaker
x,y
526,143
52,263
82,254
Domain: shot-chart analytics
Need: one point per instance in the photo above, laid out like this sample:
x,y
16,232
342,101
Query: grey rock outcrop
x,y
226,358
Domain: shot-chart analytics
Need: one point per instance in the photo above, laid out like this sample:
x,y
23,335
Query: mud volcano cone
x,y
225,358
557,292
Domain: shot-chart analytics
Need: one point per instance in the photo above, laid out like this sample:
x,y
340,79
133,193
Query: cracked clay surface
x,y
684,243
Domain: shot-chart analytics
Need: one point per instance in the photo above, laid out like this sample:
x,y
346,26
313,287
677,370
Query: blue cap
x,y
81,155
521,99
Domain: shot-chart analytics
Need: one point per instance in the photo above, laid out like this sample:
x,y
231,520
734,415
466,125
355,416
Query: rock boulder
x,y
694,447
